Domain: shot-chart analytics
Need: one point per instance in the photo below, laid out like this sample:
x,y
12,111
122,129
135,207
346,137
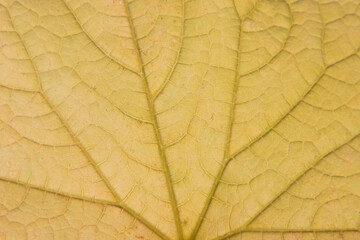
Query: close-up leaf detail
x,y
180,119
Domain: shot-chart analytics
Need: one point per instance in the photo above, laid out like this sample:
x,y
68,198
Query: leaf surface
x,y
180,119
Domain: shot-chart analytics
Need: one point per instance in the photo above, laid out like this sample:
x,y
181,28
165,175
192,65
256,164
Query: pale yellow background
x,y
179,119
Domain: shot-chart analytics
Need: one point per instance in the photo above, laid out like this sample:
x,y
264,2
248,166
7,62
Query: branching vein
x,y
116,196
160,143
252,219
123,65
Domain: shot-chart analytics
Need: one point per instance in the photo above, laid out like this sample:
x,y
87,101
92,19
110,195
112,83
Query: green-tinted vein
x,y
282,231
230,157
170,74
281,48
112,59
81,147
123,65
251,220
90,200
160,143
227,141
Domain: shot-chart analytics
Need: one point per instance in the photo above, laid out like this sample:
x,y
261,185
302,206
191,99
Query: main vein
x,y
258,213
229,157
89,200
227,143
116,196
160,144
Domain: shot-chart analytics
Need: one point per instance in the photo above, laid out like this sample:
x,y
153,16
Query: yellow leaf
x,y
180,119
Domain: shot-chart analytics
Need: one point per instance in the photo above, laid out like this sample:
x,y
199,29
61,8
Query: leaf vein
x,y
251,220
90,200
123,65
160,144
170,74
78,143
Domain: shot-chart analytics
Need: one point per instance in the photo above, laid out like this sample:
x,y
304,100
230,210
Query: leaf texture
x,y
180,119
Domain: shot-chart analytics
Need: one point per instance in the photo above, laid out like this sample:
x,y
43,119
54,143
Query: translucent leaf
x,y
180,119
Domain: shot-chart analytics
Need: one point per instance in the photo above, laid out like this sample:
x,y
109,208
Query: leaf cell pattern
x,y
180,119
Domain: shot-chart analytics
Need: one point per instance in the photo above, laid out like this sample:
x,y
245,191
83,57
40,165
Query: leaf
x,y
171,119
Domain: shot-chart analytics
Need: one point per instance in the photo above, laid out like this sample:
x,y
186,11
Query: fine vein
x,y
160,143
89,200
229,157
252,219
282,231
170,74
227,143
123,65
81,147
